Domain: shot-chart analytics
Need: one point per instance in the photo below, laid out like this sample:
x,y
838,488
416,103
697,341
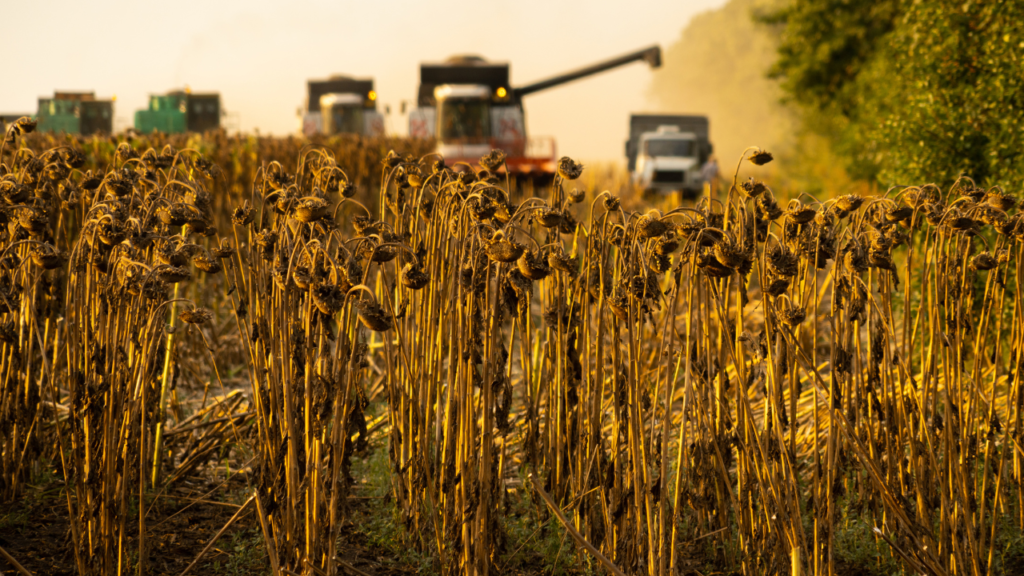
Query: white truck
x,y
666,152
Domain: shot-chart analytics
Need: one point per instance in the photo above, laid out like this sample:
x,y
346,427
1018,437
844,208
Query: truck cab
x,y
669,160
665,153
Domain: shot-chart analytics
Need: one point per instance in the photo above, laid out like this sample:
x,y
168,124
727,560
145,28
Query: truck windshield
x,y
345,120
676,148
464,121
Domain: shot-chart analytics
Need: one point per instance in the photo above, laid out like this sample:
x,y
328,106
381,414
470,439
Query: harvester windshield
x,y
346,120
673,148
465,121
463,114
342,113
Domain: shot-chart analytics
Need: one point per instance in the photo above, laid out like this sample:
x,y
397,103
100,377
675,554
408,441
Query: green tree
x,y
910,91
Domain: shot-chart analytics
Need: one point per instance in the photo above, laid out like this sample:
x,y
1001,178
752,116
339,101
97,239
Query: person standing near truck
x,y
709,174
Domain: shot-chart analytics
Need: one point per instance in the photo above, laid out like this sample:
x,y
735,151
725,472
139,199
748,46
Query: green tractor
x,y
75,113
180,111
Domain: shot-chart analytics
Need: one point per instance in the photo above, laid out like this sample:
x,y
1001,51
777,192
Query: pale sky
x,y
258,54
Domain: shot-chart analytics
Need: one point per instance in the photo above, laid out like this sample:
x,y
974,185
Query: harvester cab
x,y
180,111
75,113
342,105
469,106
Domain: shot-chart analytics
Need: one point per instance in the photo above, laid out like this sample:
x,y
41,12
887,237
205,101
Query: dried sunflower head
x,y
224,250
501,250
767,207
782,261
195,315
311,209
760,157
482,208
660,263
667,243
493,160
651,225
365,226
173,274
112,232
383,253
12,191
25,125
516,291
792,315
569,169
1000,200
413,277
729,253
302,278
777,286
549,217
558,260
171,255
752,188
328,298
710,265
266,239
849,202
392,159
207,264
898,213
983,261
991,215
619,303
533,265
243,215
47,256
799,213
372,315
176,214
125,152
33,221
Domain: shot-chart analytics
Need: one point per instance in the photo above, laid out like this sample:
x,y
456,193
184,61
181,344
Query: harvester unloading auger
x,y
467,104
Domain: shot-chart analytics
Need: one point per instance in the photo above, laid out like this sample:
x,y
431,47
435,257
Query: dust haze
x,y
718,67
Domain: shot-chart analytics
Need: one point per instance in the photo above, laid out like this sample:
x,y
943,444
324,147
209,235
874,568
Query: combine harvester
x,y
180,111
467,104
342,105
75,113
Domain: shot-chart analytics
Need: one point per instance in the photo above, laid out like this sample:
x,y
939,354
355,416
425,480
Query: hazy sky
x,y
258,54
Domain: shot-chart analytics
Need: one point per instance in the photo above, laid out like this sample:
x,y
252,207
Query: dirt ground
x,y
34,530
